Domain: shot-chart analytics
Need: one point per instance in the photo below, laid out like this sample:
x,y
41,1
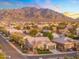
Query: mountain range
x,y
30,14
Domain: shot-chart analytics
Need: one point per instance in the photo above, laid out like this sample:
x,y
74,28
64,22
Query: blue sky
x,y
57,5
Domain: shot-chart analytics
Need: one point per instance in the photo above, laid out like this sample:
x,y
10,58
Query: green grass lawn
x,y
43,51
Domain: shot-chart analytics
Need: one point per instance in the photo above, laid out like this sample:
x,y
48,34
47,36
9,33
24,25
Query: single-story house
x,y
64,44
12,30
76,43
77,31
39,42
55,35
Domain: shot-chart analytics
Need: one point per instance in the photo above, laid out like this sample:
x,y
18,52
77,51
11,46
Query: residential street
x,y
9,51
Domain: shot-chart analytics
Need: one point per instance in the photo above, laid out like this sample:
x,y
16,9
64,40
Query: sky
x,y
57,5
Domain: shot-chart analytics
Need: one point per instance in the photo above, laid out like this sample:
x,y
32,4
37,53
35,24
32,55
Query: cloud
x,y
74,1
49,4
12,4
6,3
37,3
57,8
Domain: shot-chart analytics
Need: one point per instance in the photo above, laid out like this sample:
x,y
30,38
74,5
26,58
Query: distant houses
x,y
12,30
59,42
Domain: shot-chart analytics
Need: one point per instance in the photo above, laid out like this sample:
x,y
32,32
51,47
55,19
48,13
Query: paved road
x,y
10,51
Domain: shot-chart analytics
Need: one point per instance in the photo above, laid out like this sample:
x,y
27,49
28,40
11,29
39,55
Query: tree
x,y
45,27
62,25
16,37
48,34
4,31
26,27
33,32
73,36
18,26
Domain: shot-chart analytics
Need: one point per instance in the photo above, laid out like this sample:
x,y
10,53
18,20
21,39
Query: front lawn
x,y
43,51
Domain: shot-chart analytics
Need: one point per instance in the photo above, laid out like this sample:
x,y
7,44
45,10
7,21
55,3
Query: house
x,y
64,44
39,34
77,31
76,42
40,43
55,35
12,30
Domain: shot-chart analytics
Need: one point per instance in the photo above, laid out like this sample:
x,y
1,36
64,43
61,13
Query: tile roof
x,y
62,40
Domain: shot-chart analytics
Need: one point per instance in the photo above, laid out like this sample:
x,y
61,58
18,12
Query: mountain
x,y
28,14
77,19
72,15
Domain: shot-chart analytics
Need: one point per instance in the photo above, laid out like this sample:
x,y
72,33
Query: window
x,y
51,47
